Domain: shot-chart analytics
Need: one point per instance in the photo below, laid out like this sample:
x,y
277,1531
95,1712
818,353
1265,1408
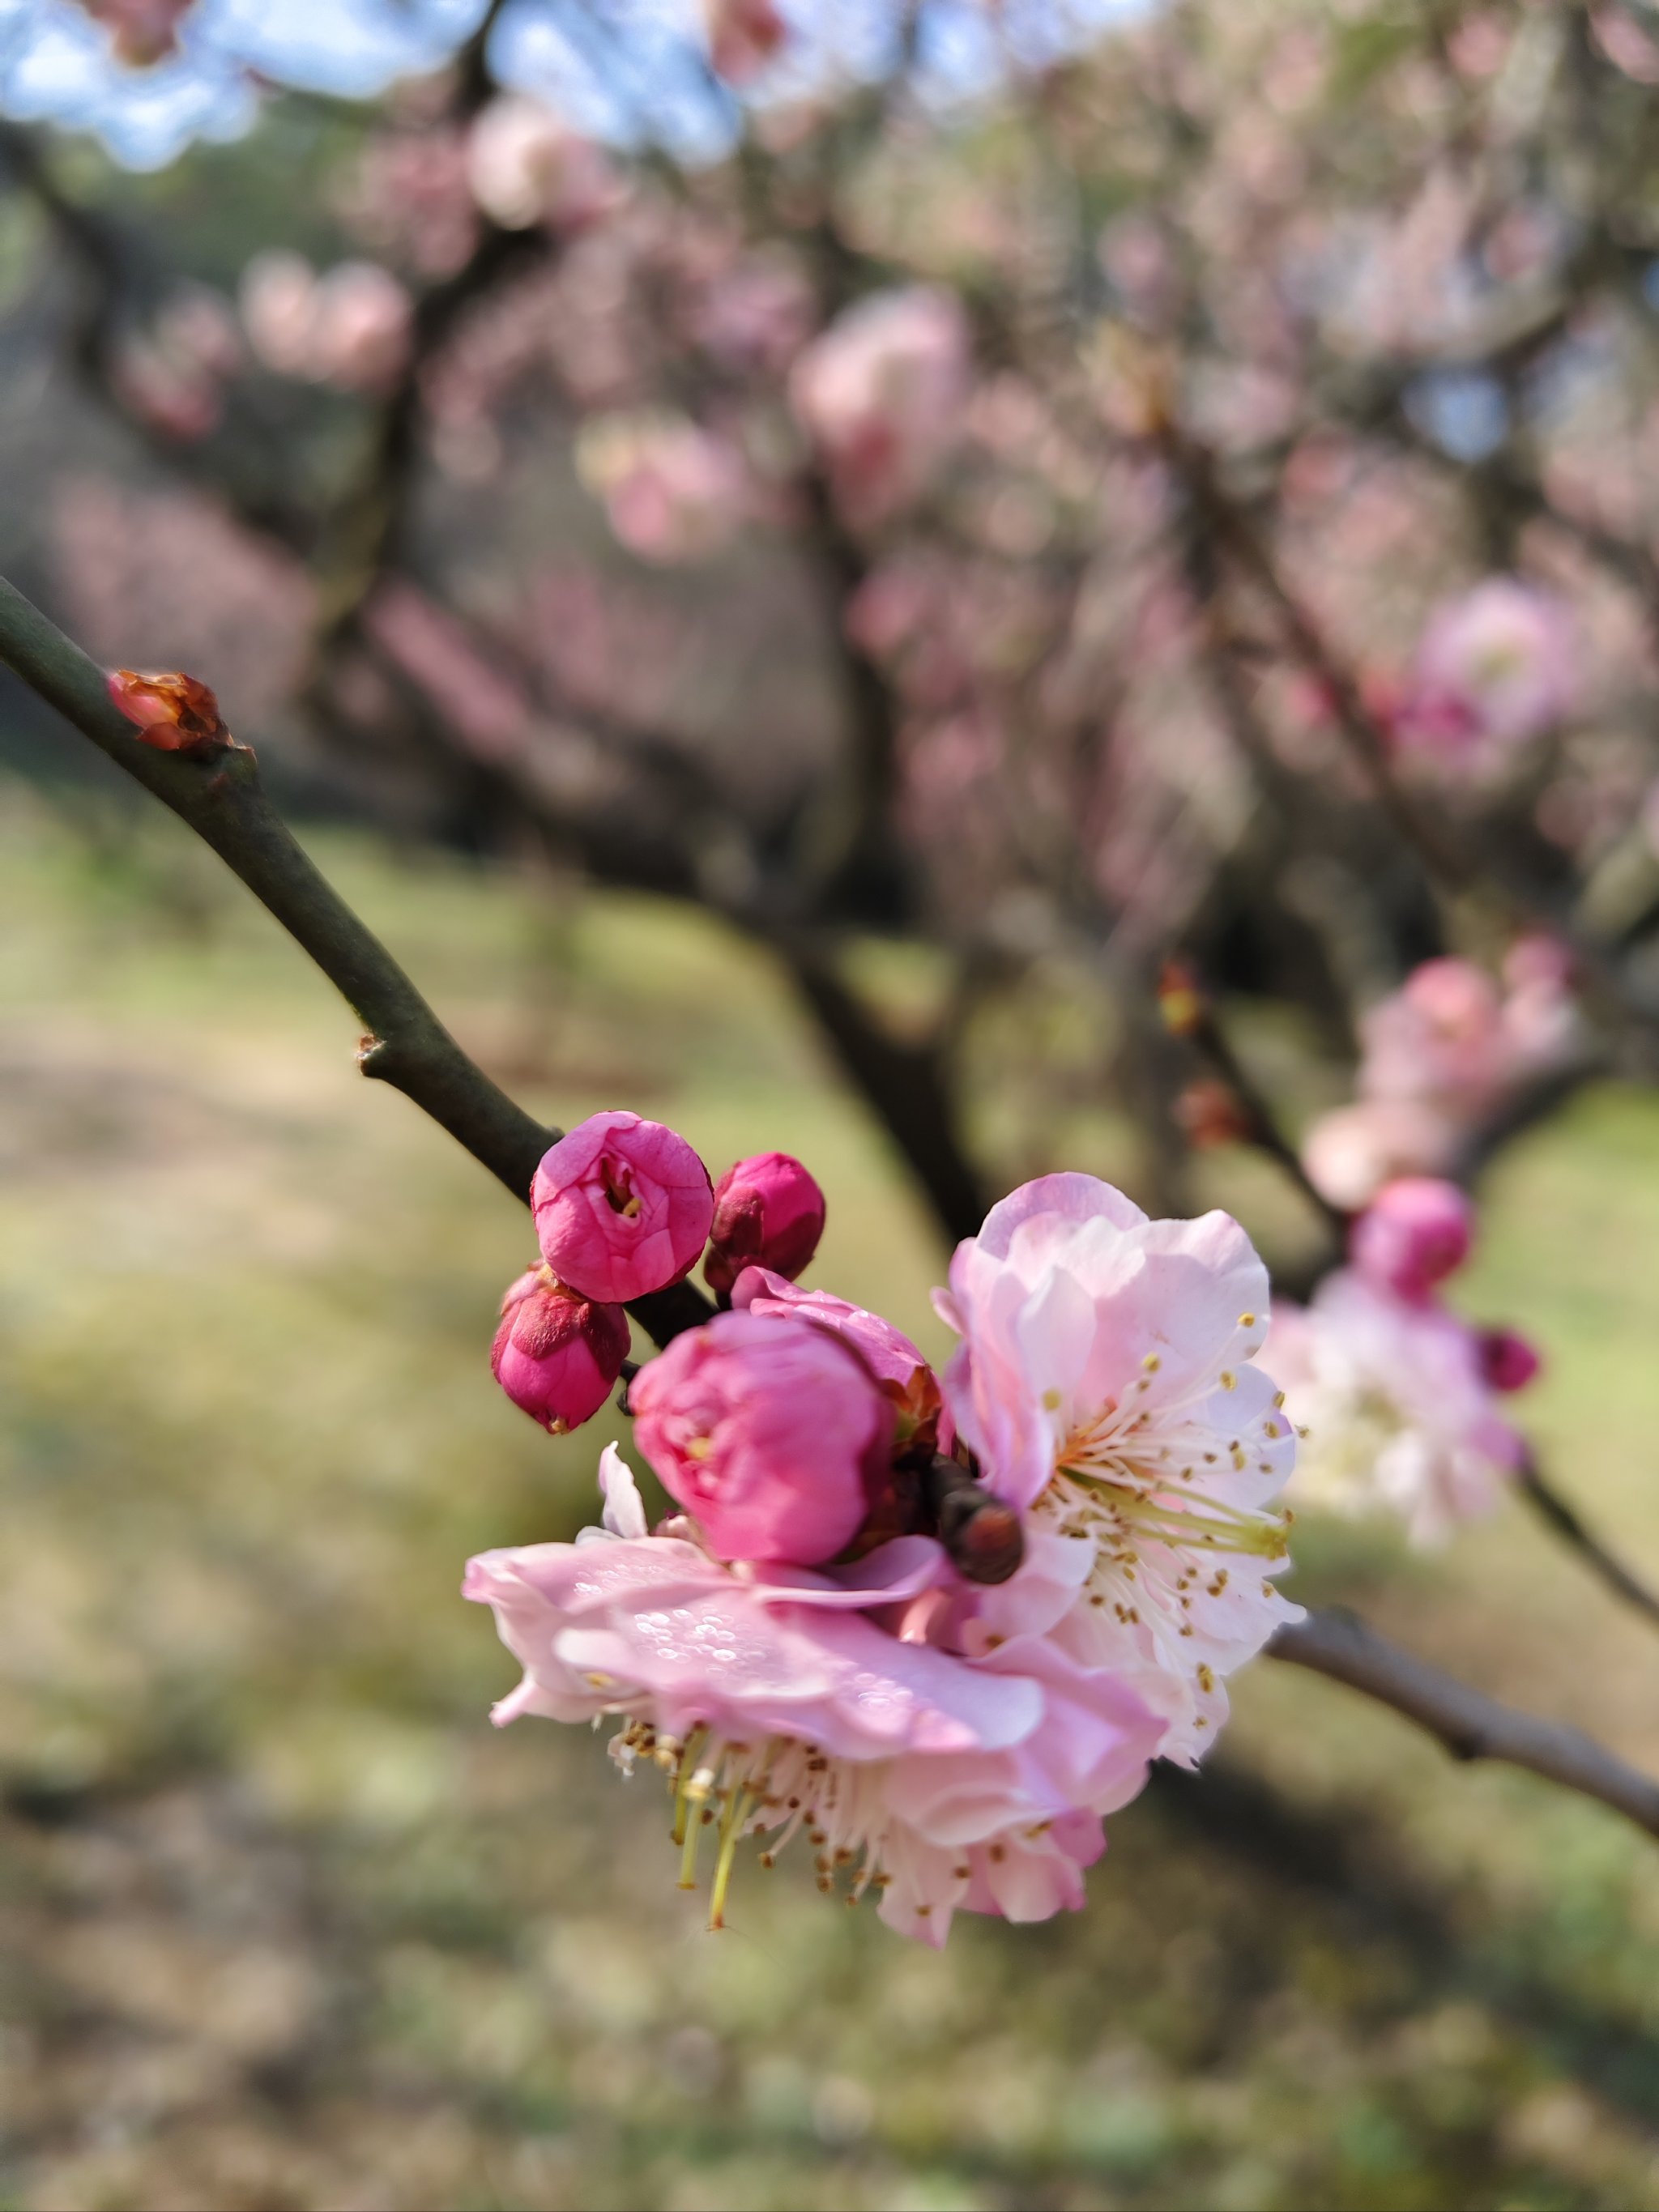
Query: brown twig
x,y
1559,1515
1470,1724
219,795
1262,1128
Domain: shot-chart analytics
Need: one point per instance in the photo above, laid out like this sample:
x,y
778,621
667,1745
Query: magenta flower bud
x,y
1507,1361
1416,1232
622,1207
771,1432
555,1353
769,1212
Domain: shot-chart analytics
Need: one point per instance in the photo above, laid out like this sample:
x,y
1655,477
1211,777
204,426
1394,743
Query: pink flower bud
x,y
1507,1361
555,1353
904,1376
1416,1232
769,1212
770,1432
622,1206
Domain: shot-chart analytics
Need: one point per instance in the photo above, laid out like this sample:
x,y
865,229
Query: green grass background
x,y
283,1921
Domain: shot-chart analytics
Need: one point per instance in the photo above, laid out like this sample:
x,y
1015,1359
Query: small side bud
x,y
171,712
556,1354
1180,998
769,1212
1507,1360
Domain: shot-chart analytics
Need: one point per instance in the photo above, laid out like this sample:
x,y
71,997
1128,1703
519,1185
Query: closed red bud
x,y
557,1354
769,1212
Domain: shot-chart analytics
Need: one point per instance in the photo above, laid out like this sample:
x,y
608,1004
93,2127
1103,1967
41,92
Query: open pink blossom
x,y
743,36
909,1381
622,1207
1416,1232
526,167
1494,669
556,1354
769,1212
777,1704
672,490
1395,1405
772,1433
881,393
1105,1382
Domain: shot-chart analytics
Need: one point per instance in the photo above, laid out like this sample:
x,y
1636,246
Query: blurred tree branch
x,y
1470,1724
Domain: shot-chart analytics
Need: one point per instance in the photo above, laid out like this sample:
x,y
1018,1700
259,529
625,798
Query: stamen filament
x,y
737,1807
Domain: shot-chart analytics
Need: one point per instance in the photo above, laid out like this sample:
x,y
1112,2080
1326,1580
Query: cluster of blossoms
x,y
1396,1394
348,327
1439,1056
941,1624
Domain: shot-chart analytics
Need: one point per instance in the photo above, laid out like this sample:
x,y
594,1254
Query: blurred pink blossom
x,y
349,327
176,399
622,1206
770,1432
1437,1056
1394,1402
525,166
881,393
410,198
1105,1384
169,578
755,315
172,376
775,1702
1416,1232
1494,669
482,704
142,32
1351,1152
672,491
743,36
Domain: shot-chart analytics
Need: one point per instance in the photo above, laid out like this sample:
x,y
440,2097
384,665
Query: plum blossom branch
x,y
216,791
218,794
1468,1722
